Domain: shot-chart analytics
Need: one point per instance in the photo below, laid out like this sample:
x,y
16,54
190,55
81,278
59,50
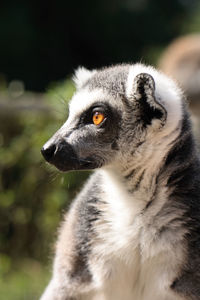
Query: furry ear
x,y
81,76
145,99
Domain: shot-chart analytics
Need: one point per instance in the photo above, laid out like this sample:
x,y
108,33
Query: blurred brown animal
x,y
181,61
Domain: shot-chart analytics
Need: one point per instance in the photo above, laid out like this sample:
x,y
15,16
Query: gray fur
x,y
112,79
134,230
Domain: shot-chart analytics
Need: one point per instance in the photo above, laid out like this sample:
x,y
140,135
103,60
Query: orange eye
x,y
98,118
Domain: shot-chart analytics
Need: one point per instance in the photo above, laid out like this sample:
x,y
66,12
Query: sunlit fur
x,y
133,232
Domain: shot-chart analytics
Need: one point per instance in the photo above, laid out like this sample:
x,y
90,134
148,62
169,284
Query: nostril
x,y
48,152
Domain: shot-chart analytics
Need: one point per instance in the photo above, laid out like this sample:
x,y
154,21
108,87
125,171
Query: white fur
x,y
82,101
82,75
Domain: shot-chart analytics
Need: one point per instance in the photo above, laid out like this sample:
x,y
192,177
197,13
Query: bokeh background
x,y
41,43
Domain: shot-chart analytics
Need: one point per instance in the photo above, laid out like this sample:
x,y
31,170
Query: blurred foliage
x,y
25,282
33,195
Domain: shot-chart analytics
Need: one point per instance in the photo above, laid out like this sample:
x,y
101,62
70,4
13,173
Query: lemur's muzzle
x,y
61,155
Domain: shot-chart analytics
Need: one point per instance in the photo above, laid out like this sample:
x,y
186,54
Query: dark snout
x,y
64,157
61,154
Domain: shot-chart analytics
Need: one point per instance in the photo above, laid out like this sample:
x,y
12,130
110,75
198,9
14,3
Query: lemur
x,y
133,232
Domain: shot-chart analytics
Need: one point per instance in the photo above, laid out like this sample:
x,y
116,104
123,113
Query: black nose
x,y
48,152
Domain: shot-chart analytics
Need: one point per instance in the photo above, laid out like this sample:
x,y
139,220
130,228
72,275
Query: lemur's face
x,y
110,115
88,139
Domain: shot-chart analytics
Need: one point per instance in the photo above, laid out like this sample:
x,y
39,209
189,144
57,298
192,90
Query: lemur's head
x,y
115,112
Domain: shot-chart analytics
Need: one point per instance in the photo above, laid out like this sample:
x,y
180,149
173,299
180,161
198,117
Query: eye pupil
x,y
98,118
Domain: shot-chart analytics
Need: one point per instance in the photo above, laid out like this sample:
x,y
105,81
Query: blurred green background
x,y
41,43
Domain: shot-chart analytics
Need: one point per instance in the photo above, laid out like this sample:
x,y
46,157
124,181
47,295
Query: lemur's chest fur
x,y
131,257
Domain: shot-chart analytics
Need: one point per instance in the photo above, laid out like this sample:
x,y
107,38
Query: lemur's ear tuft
x,y
144,94
81,76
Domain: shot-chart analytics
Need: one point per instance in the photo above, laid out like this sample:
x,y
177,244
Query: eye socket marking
x,y
95,115
98,118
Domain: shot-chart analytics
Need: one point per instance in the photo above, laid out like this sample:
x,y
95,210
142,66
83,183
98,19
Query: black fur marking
x,y
148,204
137,146
88,214
183,145
188,285
114,145
86,116
131,174
149,110
80,271
137,183
139,180
185,185
153,196
148,113
169,225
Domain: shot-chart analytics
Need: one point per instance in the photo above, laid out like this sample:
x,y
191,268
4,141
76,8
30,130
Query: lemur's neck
x,y
161,162
138,183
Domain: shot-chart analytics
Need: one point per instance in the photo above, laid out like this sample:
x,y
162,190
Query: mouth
x,y
73,164
63,156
